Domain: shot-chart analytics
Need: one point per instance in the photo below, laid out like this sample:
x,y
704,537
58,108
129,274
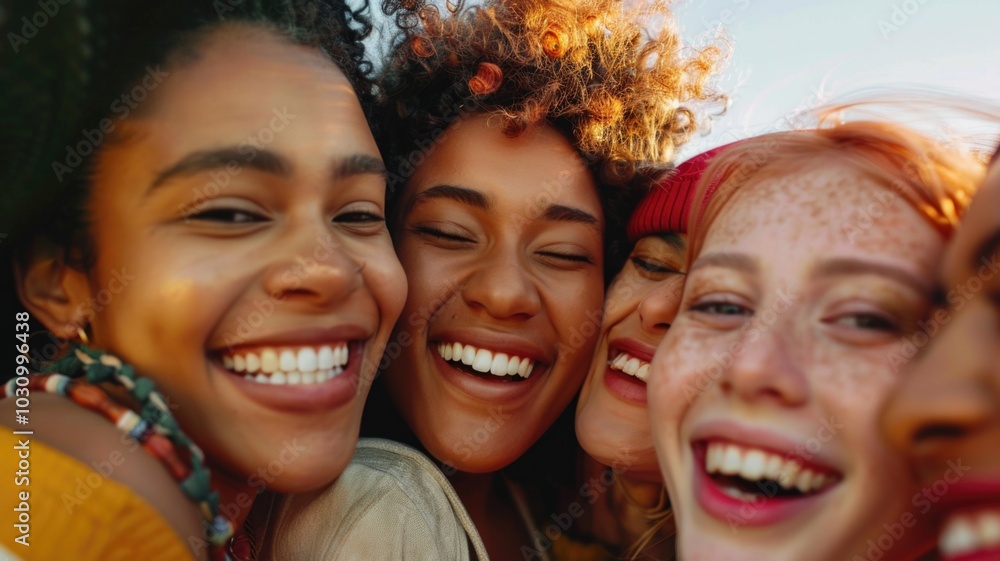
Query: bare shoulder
x,y
94,441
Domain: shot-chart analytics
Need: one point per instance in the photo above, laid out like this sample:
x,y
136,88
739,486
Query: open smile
x,y
757,485
288,365
628,370
296,378
971,529
479,361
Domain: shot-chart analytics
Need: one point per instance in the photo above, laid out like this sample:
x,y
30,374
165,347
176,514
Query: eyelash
x,y
441,235
218,214
714,307
359,217
435,233
881,322
651,267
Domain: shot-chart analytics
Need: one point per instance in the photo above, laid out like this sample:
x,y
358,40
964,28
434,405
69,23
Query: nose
x,y
503,289
314,268
945,396
762,367
659,307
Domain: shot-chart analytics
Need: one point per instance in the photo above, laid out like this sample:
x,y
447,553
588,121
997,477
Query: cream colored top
x,y
390,503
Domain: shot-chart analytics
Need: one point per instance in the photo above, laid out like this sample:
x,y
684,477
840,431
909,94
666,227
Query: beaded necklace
x,y
154,426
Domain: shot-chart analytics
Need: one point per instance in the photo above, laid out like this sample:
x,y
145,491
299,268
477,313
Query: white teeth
x,y
499,365
482,360
301,365
631,365
468,355
286,361
324,358
253,363
731,461
970,532
307,360
268,361
754,464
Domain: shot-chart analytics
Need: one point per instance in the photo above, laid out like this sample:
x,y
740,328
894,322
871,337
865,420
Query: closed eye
x,y
227,216
570,257
654,267
358,217
441,234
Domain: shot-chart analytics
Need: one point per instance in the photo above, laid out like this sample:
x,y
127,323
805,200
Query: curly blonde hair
x,y
624,98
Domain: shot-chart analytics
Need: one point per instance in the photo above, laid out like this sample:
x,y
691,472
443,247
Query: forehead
x,y
980,223
538,165
239,77
832,209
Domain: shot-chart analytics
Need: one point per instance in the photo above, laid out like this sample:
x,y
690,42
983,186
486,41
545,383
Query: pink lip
x,y
303,398
974,493
625,387
981,555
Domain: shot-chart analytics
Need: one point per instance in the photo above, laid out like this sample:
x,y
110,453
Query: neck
x,y
236,496
644,493
476,492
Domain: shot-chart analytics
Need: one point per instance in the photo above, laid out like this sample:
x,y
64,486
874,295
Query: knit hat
x,y
667,207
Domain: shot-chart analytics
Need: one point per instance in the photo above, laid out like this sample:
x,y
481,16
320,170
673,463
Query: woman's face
x,y
612,422
501,239
945,416
764,397
242,259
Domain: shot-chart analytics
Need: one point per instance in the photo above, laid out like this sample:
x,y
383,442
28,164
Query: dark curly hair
x,y
626,100
64,79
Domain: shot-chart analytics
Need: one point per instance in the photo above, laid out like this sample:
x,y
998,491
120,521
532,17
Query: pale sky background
x,y
790,55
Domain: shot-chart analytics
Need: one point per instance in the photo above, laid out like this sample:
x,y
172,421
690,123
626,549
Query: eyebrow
x,y
987,249
673,240
738,261
205,160
562,213
850,266
359,164
463,195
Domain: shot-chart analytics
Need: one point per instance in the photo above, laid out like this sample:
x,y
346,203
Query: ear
x,y
54,292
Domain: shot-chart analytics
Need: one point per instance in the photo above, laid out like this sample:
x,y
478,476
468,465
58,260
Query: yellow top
x,y
75,512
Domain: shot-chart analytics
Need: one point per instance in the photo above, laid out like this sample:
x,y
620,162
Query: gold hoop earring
x,y
82,335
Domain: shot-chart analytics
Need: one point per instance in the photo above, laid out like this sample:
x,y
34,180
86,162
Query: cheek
x,y
387,281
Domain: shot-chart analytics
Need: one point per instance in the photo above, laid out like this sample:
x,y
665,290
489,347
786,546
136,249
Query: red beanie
x,y
667,207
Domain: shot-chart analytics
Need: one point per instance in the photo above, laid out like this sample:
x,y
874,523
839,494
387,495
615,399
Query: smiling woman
x,y
808,268
519,131
262,283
